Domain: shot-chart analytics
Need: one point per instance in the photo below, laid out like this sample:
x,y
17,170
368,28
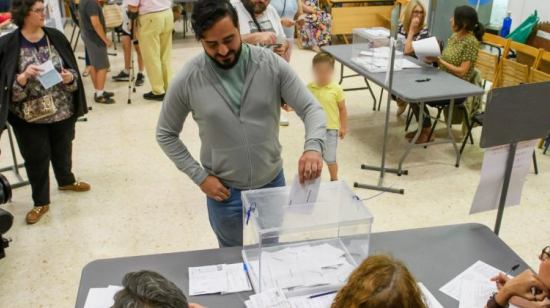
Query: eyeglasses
x,y
545,254
418,12
38,11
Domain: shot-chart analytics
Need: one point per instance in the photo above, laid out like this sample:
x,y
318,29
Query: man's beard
x,y
257,8
230,65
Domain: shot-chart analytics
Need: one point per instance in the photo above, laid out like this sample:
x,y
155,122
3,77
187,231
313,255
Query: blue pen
x,y
322,294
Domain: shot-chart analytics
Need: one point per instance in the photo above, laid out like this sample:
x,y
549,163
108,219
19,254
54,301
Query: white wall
x,y
521,9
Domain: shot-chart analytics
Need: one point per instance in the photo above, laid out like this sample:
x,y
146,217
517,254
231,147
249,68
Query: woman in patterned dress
x,y
316,30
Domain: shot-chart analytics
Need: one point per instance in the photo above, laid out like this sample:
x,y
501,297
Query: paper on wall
x,y
426,48
487,196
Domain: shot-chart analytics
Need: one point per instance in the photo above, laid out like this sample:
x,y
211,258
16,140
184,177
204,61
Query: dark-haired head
x,y
465,18
21,9
207,12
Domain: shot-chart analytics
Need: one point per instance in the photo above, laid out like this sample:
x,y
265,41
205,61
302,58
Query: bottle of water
x,y
506,25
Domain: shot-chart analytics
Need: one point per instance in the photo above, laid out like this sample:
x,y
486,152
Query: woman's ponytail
x,y
479,31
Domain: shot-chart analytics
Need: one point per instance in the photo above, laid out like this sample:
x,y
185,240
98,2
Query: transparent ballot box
x,y
304,248
371,49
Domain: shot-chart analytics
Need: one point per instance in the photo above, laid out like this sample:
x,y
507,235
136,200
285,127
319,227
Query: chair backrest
x,y
511,73
525,54
495,40
487,65
544,62
538,76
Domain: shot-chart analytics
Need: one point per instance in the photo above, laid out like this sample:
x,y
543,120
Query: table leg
x,y
413,141
450,132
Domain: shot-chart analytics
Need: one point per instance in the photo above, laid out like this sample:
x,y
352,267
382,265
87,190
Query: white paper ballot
x,y
237,279
318,302
480,272
409,64
207,280
101,297
429,299
303,194
426,48
488,192
272,298
49,77
476,294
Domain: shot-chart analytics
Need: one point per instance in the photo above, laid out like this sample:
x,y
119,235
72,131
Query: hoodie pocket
x,y
231,165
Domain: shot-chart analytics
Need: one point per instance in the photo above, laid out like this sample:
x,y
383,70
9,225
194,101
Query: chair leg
x,y
467,120
469,133
72,35
535,162
76,41
439,111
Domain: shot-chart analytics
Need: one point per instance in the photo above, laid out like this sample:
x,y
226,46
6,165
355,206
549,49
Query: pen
x,y
515,267
423,80
322,294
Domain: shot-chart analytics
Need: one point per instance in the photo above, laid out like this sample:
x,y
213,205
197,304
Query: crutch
x,y
131,84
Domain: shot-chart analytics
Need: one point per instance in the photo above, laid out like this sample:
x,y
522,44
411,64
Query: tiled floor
x,y
141,204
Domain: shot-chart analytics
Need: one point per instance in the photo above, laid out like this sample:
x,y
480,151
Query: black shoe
x,y
140,80
122,76
105,94
153,97
103,99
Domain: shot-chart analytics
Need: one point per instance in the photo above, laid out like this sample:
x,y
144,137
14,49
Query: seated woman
x,y
412,26
380,281
519,290
458,58
316,30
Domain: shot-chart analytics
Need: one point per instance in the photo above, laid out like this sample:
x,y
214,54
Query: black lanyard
x,y
254,19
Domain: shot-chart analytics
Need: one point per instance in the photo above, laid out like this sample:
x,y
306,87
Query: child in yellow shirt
x,y
332,98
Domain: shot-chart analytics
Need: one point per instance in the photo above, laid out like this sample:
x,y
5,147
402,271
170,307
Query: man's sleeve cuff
x,y
314,145
199,177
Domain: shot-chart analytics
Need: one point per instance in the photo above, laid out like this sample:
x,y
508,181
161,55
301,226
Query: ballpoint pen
x,y
515,267
322,294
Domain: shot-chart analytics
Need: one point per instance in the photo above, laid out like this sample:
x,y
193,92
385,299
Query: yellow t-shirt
x,y
329,97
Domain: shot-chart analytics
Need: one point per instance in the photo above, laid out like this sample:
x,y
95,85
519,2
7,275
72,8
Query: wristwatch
x,y
492,303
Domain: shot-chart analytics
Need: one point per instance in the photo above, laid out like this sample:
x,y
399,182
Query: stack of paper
x,y
276,299
473,287
101,297
304,266
222,278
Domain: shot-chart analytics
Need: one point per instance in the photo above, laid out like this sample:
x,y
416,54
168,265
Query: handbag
x,y
113,15
42,107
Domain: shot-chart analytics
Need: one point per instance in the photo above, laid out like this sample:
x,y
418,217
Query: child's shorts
x,y
331,143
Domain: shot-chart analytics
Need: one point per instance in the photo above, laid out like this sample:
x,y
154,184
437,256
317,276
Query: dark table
x,y
441,86
434,256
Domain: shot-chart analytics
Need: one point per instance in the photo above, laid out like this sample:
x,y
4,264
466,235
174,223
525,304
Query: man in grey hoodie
x,y
234,93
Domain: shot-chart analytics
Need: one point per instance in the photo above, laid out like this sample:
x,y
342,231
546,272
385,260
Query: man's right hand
x,y
267,38
108,42
214,189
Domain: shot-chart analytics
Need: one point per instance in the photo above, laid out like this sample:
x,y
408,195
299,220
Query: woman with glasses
x,y
42,111
412,26
527,289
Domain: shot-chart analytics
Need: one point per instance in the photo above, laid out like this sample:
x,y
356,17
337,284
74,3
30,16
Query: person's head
x,y
544,267
323,68
216,26
380,282
146,289
415,9
465,19
30,13
256,6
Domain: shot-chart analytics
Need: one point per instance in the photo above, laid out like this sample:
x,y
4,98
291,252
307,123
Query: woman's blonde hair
x,y
407,15
380,282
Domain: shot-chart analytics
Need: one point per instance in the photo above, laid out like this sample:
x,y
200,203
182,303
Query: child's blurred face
x,y
322,73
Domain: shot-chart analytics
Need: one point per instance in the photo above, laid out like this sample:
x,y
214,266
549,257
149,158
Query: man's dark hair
x,y
147,289
207,12
20,9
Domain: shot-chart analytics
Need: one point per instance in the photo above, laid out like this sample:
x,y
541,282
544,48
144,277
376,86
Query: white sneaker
x,y
283,121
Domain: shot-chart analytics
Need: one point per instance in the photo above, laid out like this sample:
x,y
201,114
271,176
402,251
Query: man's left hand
x,y
310,166
281,50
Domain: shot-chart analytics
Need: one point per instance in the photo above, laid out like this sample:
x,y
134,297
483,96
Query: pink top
x,y
150,6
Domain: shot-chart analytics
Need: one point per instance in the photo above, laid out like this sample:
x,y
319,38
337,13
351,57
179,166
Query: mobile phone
x,y
273,46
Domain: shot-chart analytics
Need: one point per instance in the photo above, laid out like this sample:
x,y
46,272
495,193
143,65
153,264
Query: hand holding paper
x,y
310,166
426,48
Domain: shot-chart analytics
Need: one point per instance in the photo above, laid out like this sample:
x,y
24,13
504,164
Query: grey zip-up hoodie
x,y
242,150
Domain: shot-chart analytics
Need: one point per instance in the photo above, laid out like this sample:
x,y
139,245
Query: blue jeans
x,y
226,217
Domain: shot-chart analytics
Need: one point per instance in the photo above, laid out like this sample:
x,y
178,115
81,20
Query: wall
x,y
521,9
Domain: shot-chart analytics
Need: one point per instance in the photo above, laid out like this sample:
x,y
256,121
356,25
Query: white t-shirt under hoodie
x,y
269,22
